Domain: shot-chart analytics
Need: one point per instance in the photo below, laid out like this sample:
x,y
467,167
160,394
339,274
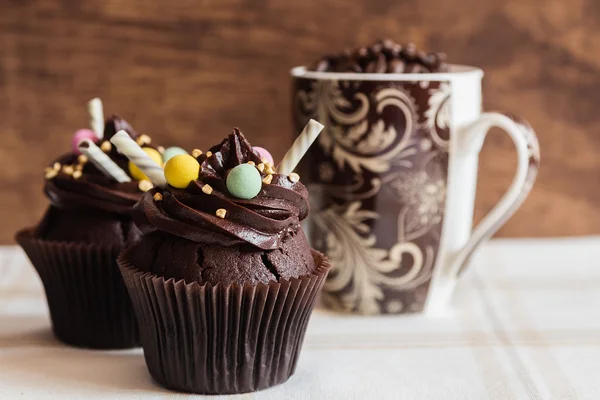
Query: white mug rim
x,y
456,71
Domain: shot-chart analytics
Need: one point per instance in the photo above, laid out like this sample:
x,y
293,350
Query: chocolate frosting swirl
x,y
94,190
264,221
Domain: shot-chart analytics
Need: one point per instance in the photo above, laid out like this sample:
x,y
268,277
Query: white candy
x,y
96,117
103,162
130,149
299,148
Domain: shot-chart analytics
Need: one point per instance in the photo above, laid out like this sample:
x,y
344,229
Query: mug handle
x,y
528,159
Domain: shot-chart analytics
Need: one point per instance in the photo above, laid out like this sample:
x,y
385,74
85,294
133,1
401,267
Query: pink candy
x,y
79,136
264,153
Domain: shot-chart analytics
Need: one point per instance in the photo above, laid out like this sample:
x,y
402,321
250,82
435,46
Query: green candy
x,y
244,181
172,152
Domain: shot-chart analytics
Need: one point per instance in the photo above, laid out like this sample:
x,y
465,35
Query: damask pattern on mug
x,y
408,156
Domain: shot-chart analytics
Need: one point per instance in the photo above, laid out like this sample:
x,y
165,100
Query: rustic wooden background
x,y
188,71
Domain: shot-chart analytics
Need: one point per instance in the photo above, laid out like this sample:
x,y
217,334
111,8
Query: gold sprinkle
x,y
196,153
261,167
251,163
294,177
51,174
106,146
79,167
143,139
269,170
68,169
145,185
77,174
160,149
264,160
207,189
82,159
221,213
157,197
208,154
267,179
56,166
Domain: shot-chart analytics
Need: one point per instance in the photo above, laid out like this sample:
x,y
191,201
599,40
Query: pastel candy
x,y
80,135
244,181
172,152
136,173
264,153
181,169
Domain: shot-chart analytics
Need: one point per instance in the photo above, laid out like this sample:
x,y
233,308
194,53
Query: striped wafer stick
x,y
130,149
299,148
102,161
96,117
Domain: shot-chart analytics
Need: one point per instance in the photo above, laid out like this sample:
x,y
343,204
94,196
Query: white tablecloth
x,y
524,324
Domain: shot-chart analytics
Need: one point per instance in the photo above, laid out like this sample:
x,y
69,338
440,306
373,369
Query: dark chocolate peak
x,y
232,151
114,124
264,221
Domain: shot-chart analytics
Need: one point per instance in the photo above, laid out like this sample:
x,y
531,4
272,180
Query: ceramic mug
x,y
392,182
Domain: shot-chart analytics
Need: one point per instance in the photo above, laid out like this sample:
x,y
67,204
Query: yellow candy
x,y
180,170
136,173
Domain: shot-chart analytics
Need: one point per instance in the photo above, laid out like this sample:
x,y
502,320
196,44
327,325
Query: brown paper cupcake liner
x,y
222,339
88,301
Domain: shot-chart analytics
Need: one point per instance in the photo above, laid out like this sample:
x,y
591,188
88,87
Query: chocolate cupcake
x,y
223,280
75,246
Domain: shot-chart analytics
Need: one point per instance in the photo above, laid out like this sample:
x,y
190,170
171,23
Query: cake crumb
x,y
143,140
268,179
196,153
106,146
207,189
145,185
50,174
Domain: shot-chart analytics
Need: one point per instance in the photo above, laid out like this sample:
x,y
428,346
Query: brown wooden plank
x,y
188,71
